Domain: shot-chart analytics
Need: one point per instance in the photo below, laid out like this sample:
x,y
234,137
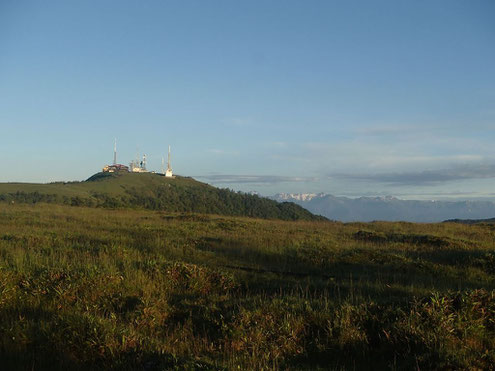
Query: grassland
x,y
93,288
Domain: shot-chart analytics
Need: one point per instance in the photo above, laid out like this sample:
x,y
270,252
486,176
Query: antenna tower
x,y
169,173
115,152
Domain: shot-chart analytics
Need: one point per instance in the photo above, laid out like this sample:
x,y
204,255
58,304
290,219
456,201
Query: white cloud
x,y
223,152
254,179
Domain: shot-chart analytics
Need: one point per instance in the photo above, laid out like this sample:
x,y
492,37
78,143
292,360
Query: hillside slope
x,y
155,192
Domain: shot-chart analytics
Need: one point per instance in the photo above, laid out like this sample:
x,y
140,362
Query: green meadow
x,y
96,288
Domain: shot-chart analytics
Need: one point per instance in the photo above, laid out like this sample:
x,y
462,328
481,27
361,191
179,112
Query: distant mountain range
x,y
388,208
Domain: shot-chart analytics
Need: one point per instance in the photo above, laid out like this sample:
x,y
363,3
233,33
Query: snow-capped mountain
x,y
388,208
297,196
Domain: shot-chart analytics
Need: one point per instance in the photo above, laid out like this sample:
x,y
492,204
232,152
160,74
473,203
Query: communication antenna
x,y
169,173
136,161
115,152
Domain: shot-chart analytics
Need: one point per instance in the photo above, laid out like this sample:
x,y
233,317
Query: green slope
x,y
155,192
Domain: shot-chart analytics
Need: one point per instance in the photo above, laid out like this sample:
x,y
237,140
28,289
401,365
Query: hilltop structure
x,y
169,173
136,166
115,167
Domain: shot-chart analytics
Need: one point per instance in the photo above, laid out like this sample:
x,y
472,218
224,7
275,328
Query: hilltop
x,y
154,192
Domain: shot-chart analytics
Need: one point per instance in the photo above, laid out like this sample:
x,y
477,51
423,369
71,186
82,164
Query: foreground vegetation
x,y
85,288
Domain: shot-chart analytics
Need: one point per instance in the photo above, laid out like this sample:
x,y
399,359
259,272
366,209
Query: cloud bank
x,y
253,179
426,177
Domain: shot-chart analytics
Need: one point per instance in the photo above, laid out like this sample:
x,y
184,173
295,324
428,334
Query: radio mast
x,y
143,163
169,173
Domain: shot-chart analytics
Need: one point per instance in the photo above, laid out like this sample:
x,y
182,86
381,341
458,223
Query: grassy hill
x,y
155,192
92,288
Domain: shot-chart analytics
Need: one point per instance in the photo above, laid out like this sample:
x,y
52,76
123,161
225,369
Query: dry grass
x,y
84,288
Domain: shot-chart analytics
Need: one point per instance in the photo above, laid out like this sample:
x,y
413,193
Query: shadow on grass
x,y
368,272
373,353
59,342
50,361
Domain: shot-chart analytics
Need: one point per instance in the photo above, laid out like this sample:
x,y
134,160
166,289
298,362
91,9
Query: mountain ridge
x,y
388,208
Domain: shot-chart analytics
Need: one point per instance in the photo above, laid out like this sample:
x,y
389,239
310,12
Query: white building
x,y
138,166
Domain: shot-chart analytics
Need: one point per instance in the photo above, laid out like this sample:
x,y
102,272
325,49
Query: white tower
x,y
169,173
143,163
115,152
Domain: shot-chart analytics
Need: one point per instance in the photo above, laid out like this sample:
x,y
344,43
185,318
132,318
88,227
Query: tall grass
x,y
84,288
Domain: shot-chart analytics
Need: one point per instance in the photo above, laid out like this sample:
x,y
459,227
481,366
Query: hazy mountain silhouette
x,y
389,208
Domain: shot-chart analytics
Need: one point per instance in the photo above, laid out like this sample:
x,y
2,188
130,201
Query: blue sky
x,y
346,97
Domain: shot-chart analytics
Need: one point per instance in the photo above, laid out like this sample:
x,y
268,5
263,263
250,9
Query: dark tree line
x,y
177,198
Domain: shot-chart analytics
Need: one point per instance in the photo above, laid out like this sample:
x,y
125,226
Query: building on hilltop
x,y
115,167
137,166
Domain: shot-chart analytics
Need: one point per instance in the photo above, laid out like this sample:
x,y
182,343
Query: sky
x,y
351,98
